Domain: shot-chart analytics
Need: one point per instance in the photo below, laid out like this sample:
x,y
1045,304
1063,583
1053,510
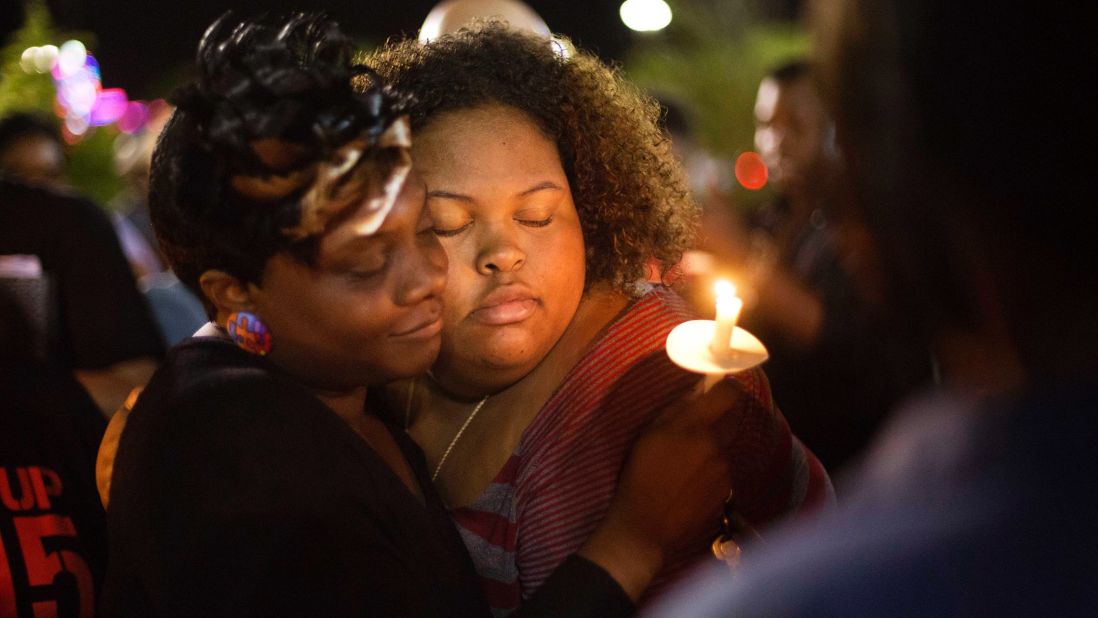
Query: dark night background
x,y
142,44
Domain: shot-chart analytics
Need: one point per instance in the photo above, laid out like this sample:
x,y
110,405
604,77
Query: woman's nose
x,y
500,254
426,275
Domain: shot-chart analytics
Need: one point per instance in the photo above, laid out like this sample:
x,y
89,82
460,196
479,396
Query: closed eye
x,y
535,223
365,275
447,233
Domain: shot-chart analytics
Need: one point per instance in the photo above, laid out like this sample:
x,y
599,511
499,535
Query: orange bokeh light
x,y
751,172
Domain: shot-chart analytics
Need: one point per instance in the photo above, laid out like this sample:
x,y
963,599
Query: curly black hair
x,y
232,167
630,191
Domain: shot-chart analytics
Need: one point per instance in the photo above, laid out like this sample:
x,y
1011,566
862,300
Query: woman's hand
x,y
672,488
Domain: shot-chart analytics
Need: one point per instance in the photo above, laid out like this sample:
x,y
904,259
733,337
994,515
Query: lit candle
x,y
728,312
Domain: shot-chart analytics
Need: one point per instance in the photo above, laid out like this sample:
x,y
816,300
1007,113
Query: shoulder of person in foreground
x,y
957,510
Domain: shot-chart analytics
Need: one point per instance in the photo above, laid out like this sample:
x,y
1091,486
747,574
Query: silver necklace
x,y
457,436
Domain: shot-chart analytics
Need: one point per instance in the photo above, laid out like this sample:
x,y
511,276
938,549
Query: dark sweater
x,y
237,492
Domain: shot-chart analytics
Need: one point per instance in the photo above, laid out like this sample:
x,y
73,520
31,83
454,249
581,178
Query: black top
x,y
96,317
53,541
237,492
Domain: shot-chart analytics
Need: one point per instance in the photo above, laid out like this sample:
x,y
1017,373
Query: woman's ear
x,y
227,293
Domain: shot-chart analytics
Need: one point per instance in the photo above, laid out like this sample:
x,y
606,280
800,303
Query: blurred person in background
x,y
839,370
31,151
836,368
53,542
64,283
977,499
60,256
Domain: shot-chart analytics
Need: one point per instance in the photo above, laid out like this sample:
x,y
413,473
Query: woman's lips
x,y
424,323
507,312
422,331
505,305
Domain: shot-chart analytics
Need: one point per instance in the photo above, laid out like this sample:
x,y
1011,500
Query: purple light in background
x,y
110,105
135,117
92,65
82,102
78,93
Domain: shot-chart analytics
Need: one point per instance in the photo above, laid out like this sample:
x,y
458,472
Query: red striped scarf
x,y
557,485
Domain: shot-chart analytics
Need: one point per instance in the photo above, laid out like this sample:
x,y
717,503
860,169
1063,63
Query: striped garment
x,y
557,485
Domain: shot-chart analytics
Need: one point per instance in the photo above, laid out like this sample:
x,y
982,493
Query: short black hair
x,y
21,124
284,82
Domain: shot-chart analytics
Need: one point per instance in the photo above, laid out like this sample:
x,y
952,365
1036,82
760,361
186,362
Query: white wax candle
x,y
728,312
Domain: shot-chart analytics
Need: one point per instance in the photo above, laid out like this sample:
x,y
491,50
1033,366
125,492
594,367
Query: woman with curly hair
x,y
252,476
553,190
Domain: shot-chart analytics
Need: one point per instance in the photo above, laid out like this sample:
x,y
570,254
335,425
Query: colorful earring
x,y
249,332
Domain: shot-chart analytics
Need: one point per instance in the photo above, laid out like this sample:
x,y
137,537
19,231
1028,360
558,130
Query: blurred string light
x,y
645,15
751,172
82,102
71,58
38,59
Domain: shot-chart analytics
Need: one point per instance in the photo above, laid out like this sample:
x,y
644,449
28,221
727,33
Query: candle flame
x,y
725,289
